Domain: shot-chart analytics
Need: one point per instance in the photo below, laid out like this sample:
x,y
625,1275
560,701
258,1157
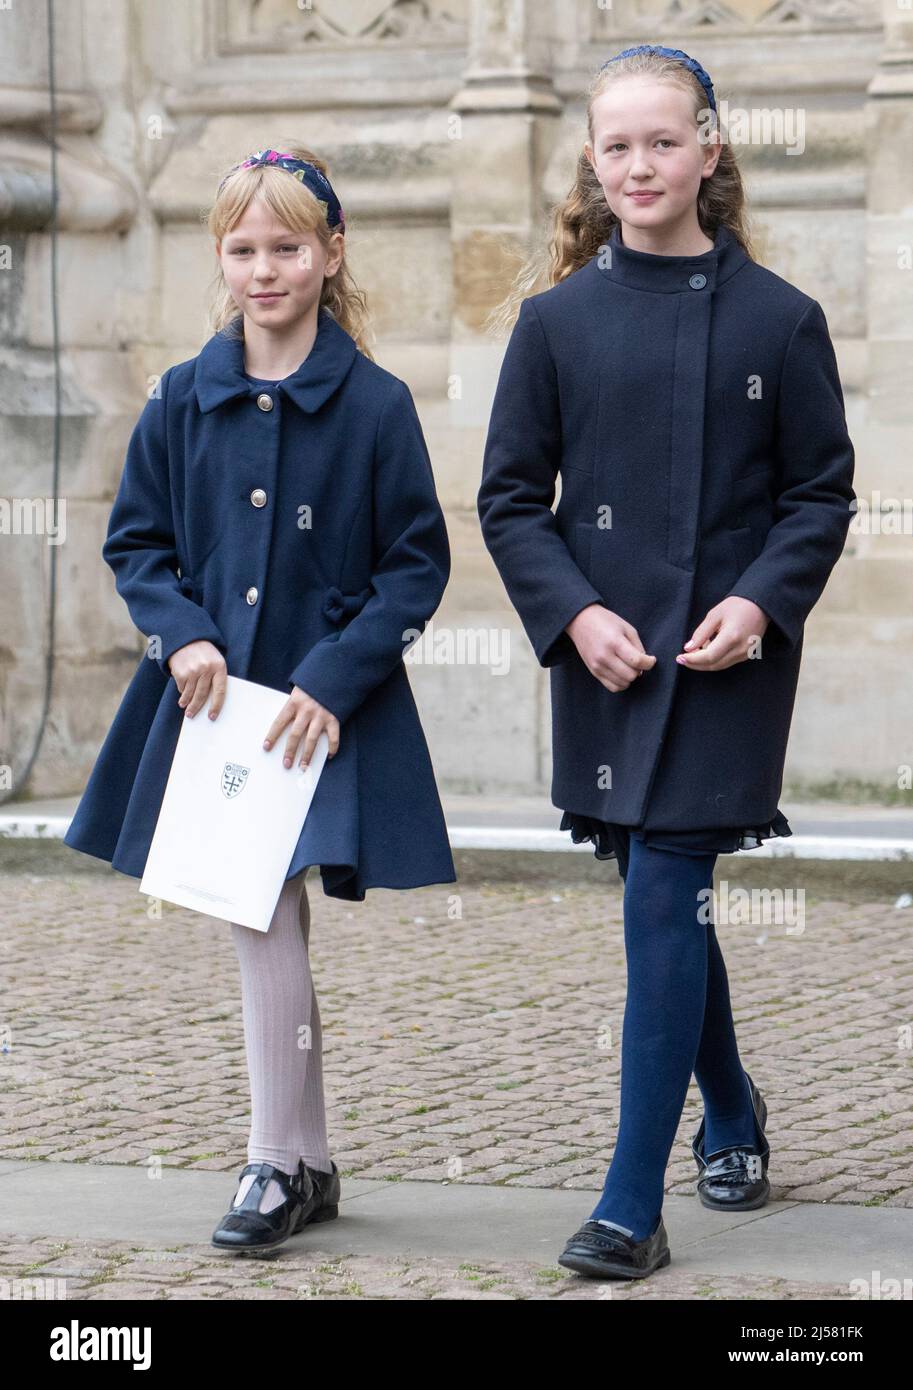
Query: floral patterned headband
x,y
306,173
690,63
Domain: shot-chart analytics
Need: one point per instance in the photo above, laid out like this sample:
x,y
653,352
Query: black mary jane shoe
x,y
245,1227
604,1252
326,1195
735,1178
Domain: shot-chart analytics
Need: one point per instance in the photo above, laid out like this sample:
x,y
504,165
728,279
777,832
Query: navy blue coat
x,y
635,378
322,585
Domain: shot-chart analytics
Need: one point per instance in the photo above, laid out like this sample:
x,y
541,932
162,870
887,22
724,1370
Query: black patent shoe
x,y
604,1252
735,1178
326,1187
245,1227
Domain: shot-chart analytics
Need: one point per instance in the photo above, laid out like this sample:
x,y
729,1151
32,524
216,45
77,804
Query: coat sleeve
x,y
520,465
410,571
815,460
140,545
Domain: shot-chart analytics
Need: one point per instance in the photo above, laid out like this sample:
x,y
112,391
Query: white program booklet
x,y
232,812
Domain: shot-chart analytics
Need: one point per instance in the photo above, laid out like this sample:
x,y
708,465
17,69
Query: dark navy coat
x,y
321,584
694,403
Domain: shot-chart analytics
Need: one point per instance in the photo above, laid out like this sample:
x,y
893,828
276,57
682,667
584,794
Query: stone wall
x,y
448,126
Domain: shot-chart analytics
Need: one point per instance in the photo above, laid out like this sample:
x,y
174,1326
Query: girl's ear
x,y
334,257
711,157
714,142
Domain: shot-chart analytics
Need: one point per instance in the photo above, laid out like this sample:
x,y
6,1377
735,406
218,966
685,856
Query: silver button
x,y
258,497
264,401
697,282
252,595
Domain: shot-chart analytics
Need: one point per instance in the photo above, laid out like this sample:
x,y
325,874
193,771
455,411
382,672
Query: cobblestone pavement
x,y
81,1271
472,1033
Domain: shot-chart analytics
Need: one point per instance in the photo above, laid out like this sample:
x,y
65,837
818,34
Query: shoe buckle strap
x,y
263,1174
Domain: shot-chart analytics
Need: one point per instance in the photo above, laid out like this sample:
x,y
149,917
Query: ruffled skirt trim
x,y
604,836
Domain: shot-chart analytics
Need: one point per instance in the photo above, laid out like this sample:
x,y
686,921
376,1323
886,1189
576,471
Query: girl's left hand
x,y
729,634
308,720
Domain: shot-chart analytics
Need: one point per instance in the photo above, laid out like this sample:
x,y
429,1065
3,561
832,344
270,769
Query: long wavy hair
x,y
582,223
296,207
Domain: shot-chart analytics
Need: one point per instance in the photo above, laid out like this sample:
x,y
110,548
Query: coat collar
x,y
643,270
219,373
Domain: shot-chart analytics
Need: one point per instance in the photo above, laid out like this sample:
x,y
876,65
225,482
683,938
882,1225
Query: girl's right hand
x,y
196,667
609,647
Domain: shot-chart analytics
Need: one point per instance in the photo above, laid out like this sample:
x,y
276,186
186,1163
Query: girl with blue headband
x,y
691,402
277,520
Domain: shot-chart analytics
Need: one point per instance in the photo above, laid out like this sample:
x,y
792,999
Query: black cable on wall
x,y
20,781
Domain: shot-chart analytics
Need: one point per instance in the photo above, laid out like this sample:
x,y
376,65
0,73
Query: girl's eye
x,y
620,144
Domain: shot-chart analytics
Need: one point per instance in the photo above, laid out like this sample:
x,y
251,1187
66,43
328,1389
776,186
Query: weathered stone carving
x,y
285,24
705,14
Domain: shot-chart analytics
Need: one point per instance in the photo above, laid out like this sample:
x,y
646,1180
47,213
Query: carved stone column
x,y
884,484
890,225
506,117
66,322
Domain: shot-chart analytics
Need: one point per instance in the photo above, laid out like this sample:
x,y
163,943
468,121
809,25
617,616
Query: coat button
x,y
697,282
252,595
258,497
264,401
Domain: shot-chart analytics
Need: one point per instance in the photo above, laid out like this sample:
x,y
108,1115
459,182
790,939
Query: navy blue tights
x,y
677,1019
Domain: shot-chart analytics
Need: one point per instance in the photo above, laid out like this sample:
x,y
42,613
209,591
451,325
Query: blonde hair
x,y
296,207
583,222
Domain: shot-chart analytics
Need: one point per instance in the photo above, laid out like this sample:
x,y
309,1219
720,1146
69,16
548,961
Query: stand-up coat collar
x,y
644,270
219,373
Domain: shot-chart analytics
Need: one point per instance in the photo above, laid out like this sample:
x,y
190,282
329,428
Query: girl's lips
x,y
268,296
643,197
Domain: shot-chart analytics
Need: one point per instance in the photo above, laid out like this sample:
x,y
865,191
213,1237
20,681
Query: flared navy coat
x,y
693,408
297,527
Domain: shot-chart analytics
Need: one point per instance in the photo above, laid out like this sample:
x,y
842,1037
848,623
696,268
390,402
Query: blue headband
x,y
306,173
690,63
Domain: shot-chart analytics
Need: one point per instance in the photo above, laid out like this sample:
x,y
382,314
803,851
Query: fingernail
x,y
689,644
266,743
681,660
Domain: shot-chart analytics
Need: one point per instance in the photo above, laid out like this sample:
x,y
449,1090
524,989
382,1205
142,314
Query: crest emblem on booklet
x,y
234,778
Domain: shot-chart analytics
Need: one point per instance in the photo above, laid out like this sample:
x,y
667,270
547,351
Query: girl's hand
x,y
725,636
609,647
308,719
196,667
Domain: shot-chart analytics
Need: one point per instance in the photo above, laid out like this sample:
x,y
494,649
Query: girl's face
x,y
275,276
645,139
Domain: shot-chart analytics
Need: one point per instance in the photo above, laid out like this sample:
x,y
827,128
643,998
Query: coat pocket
x,y
189,588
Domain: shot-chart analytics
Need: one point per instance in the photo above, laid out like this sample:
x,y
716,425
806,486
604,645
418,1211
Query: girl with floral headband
x,y
277,520
691,402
